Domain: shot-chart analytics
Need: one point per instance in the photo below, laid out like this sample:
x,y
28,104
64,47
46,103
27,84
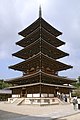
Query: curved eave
x,y
48,35
66,80
30,28
23,53
43,84
50,28
58,77
44,34
23,77
36,24
33,36
56,65
56,53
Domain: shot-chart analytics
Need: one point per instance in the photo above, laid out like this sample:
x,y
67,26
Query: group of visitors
x,y
62,97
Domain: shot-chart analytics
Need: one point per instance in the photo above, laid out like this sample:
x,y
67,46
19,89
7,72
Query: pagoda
x,y
40,65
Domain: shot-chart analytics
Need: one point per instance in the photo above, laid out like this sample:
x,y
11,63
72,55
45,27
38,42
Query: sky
x,y
15,15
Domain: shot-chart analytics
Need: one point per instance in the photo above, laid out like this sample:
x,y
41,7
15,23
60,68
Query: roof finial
x,y
40,13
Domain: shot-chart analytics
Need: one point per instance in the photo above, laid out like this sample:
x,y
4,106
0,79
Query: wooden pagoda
x,y
40,66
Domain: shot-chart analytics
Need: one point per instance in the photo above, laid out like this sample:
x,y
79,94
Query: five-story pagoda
x,y
40,80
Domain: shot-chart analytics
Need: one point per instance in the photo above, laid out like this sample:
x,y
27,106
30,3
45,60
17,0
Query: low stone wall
x,y
34,101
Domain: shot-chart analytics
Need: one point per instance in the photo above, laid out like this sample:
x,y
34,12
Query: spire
x,y
40,13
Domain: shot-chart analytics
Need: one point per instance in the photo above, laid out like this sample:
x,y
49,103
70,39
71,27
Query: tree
x,y
79,79
3,84
76,92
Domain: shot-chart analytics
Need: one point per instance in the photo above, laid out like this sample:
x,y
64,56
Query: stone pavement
x,y
60,113
26,112
13,116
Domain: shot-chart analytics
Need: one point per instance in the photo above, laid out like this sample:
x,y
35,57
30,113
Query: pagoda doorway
x,y
23,93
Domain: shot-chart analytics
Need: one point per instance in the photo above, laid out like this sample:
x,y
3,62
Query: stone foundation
x,y
33,101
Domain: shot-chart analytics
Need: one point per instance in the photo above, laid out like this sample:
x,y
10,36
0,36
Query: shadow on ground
x,y
8,115
13,116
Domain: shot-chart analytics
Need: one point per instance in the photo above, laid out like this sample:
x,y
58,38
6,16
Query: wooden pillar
x,y
55,92
21,93
40,91
48,95
26,92
40,85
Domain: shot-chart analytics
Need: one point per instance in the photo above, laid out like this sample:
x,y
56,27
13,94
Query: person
x,y
61,97
75,102
65,97
69,99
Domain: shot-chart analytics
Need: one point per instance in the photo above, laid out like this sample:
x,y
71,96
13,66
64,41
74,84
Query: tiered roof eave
x,y
58,66
36,24
36,34
44,84
56,53
42,74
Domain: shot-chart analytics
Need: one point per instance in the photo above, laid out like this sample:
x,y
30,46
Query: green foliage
x,y
76,92
3,84
77,85
79,79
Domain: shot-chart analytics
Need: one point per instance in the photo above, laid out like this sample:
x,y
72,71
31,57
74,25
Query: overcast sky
x,y
15,15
